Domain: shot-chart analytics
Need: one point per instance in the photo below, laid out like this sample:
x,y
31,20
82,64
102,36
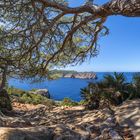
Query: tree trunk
x,y
3,78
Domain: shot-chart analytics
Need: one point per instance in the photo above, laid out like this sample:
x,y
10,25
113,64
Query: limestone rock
x,y
43,92
37,133
82,75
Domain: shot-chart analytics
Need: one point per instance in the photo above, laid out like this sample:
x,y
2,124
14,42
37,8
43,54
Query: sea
x,y
62,87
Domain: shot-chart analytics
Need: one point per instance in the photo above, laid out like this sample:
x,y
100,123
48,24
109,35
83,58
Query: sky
x,y
120,50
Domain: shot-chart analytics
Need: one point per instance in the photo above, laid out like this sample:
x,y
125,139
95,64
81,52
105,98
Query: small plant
x,y
82,102
90,95
68,102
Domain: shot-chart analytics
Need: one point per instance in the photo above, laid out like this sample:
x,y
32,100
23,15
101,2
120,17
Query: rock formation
x,y
82,75
43,92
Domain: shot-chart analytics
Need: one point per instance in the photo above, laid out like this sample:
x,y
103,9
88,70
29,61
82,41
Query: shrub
x,y
30,98
90,94
50,103
113,89
135,91
82,102
68,102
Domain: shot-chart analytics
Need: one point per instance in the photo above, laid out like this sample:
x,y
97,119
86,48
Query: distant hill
x,y
54,74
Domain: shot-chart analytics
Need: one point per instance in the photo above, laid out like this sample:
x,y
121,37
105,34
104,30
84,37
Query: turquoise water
x,y
61,88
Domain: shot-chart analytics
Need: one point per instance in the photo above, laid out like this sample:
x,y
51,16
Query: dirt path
x,y
71,123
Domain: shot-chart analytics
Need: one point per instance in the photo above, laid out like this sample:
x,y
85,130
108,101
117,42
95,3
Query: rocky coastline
x,y
81,75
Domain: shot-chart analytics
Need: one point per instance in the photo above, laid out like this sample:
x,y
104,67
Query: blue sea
x,y
63,87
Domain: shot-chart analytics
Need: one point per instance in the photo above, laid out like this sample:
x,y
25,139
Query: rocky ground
x,y
29,122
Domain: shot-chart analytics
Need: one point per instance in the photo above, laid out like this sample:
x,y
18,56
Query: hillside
x,y
71,74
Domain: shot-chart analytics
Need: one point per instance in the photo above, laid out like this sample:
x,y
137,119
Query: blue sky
x,y
120,50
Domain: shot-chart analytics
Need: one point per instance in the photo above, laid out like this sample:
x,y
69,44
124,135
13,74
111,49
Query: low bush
x,y
30,98
68,102
112,90
82,102
136,86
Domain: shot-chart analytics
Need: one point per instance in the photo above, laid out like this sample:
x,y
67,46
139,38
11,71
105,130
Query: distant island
x,y
72,74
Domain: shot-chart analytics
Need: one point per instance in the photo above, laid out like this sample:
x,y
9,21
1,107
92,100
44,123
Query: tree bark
x,y
3,78
129,8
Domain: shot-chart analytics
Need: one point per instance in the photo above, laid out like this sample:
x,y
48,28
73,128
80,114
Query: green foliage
x,y
15,91
117,87
113,90
90,94
82,102
68,102
30,98
136,86
55,74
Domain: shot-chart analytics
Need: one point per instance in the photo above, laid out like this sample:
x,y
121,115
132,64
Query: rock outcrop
x,y
82,75
43,92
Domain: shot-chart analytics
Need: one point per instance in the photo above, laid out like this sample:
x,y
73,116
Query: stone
x,y
19,123
61,132
32,133
114,135
105,133
43,92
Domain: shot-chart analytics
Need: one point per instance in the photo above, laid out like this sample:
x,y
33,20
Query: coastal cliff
x,y
72,74
81,75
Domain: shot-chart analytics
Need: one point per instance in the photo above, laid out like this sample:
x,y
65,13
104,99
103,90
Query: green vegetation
x,y
68,102
82,102
22,96
55,74
136,86
27,97
112,90
39,36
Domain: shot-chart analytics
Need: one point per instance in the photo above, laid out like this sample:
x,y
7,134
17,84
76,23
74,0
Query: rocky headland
x,y
38,122
54,74
81,75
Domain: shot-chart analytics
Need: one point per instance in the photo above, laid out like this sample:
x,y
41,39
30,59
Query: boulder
x,y
43,92
32,133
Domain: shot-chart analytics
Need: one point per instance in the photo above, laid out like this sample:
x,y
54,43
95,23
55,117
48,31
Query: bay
x,y
63,87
